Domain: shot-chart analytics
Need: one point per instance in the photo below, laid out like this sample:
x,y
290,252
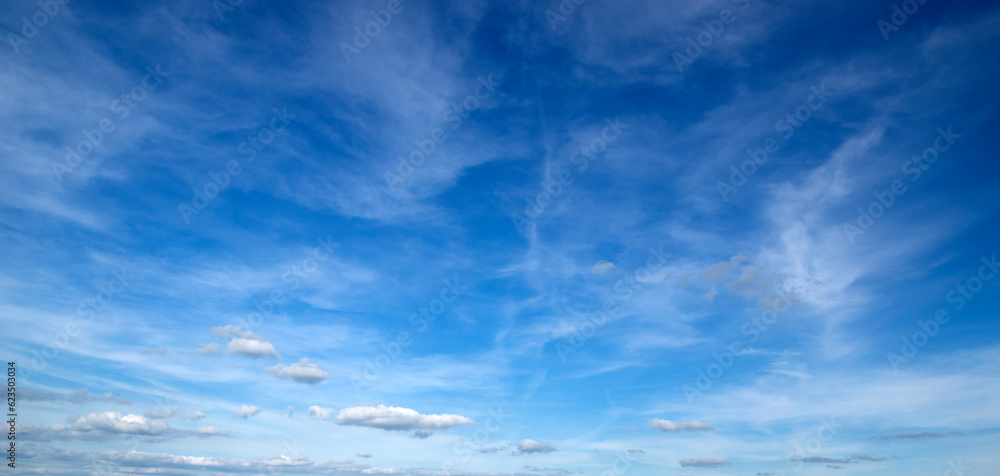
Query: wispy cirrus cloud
x,y
251,249
80,396
321,413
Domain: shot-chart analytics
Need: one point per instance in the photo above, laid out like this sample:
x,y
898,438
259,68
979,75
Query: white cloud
x,y
234,331
115,422
532,446
208,349
667,425
195,415
80,396
302,372
396,418
703,462
365,454
320,413
497,449
602,267
208,431
946,399
910,436
164,463
246,411
107,425
251,348
161,413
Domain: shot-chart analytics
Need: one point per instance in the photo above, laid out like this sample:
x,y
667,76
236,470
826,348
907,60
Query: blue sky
x,y
736,237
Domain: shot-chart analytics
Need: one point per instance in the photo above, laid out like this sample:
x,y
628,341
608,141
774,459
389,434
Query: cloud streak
x,y
703,462
397,418
672,426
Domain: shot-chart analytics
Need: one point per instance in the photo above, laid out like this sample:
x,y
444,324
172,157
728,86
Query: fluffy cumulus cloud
x,y
396,418
246,411
532,446
104,426
704,462
602,267
241,342
114,422
672,426
364,454
195,415
301,372
251,348
321,413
